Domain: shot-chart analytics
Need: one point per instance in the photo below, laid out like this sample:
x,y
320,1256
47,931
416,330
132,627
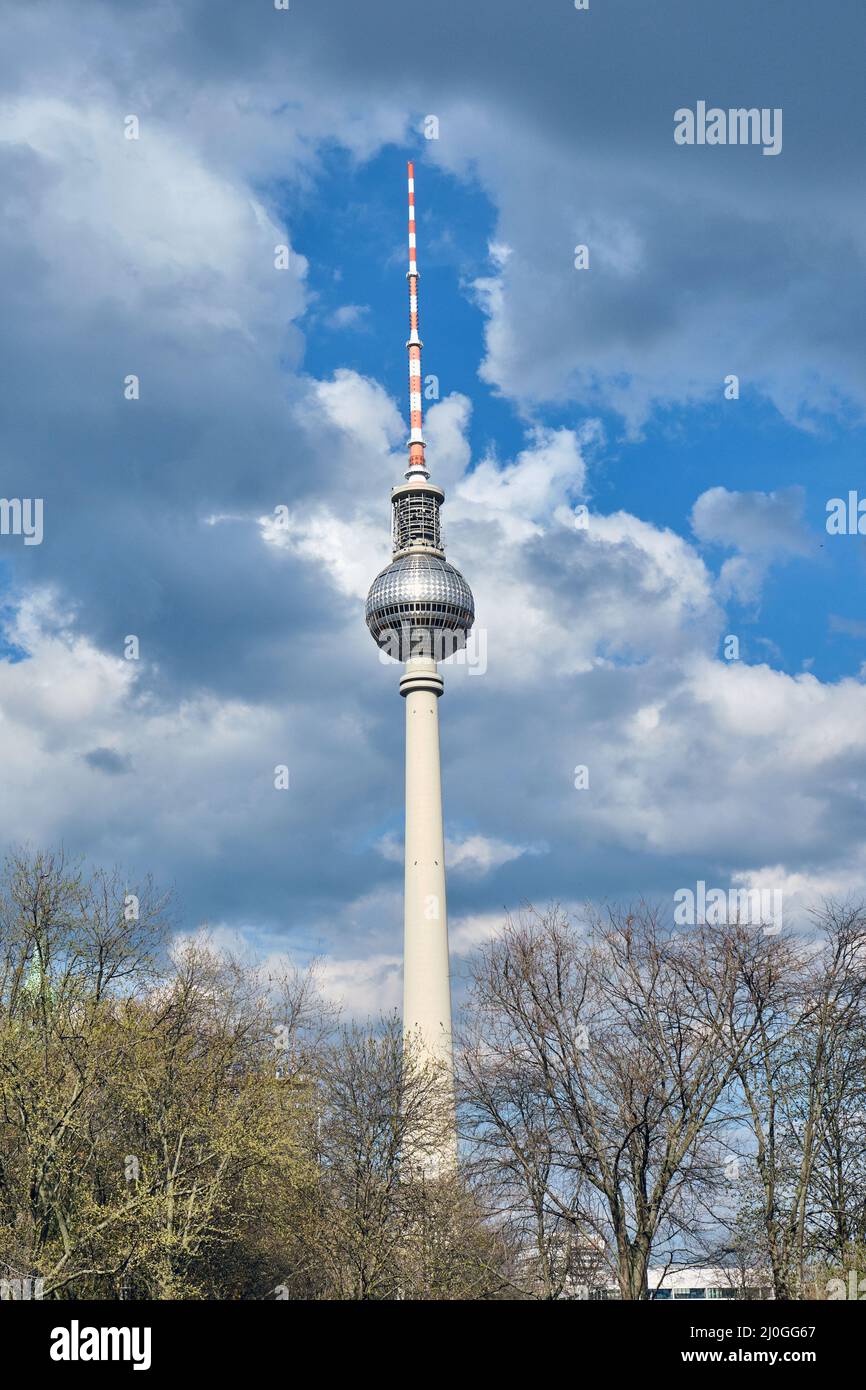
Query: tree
x,y
141,1110
371,1225
595,1070
69,952
799,1082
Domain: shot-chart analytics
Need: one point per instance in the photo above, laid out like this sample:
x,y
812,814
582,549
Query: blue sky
x,y
263,388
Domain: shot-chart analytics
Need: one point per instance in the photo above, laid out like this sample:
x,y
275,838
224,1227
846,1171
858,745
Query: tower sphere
x,y
420,605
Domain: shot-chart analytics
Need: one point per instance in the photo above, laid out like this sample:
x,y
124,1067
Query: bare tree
x,y
596,1069
375,1227
796,1085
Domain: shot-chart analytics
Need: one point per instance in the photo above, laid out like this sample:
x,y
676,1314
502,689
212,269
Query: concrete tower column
x,y
426,982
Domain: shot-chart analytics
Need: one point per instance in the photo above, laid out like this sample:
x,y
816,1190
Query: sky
x,y
619,514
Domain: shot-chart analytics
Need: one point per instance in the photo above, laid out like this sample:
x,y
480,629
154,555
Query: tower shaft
x,y
426,982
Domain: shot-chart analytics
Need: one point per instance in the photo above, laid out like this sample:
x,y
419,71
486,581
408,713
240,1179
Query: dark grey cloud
x,y
108,760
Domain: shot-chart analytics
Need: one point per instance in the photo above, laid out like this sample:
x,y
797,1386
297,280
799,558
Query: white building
x,y
702,1282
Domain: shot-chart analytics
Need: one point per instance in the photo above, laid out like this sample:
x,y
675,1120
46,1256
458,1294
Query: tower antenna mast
x,y
417,461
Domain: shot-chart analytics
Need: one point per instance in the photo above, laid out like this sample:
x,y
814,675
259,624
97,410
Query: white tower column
x,y
426,982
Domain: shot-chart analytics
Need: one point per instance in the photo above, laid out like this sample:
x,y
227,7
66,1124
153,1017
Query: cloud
x,y
703,261
851,627
475,854
446,426
521,493
350,316
761,526
164,516
466,934
364,987
108,760
753,522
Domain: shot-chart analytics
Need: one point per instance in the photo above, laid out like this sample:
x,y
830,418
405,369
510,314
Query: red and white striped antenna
x,y
417,462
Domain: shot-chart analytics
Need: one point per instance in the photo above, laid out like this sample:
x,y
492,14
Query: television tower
x,y
419,610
